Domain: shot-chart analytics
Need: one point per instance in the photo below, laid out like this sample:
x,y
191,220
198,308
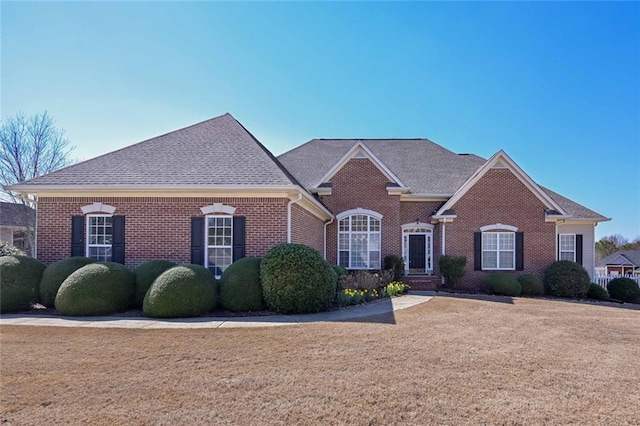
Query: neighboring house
x,y
14,224
621,263
212,193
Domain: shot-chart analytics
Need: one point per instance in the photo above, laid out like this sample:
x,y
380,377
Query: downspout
x,y
443,246
289,204
325,236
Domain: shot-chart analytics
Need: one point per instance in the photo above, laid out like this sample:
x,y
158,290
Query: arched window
x,y
359,239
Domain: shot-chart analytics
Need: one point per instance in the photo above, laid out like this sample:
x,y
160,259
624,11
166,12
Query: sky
x,y
554,84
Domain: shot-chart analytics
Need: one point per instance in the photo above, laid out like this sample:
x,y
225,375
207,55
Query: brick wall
x,y
159,228
306,228
359,183
500,197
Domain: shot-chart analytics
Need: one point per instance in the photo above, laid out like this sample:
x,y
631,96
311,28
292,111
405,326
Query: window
x,y
99,237
219,231
359,242
498,250
567,247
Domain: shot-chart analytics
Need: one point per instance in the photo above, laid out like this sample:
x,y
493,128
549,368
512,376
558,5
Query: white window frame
x,y
369,215
560,250
214,246
88,244
498,250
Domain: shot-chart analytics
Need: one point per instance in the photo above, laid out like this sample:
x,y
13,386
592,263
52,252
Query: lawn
x,y
448,361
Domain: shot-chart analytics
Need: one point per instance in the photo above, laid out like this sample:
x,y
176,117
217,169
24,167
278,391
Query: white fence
x,y
603,280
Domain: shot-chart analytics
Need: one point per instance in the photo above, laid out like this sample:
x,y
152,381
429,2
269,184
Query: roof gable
x,y
501,160
359,151
215,153
625,257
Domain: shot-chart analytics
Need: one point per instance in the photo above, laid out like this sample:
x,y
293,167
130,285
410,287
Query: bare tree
x,y
30,147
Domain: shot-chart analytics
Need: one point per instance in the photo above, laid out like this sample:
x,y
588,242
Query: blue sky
x,y
556,85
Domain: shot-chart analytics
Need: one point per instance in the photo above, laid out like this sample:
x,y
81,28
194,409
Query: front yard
x,y
448,361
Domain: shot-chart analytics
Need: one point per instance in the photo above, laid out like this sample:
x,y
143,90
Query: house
x,y
212,193
621,263
15,222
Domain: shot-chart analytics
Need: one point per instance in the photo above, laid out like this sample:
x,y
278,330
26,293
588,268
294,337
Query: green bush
x,y
624,289
180,292
597,292
7,249
19,280
340,271
146,273
55,274
502,283
296,279
531,285
396,264
240,288
566,279
452,269
100,288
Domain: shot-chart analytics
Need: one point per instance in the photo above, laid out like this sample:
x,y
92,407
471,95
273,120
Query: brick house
x,y
212,193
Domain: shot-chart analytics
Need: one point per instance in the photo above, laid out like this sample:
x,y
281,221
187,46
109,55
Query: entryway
x,y
417,248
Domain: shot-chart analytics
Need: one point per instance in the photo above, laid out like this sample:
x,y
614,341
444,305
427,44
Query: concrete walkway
x,y
351,313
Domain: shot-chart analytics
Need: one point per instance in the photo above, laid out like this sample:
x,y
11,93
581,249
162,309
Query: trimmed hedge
x,y
99,288
531,285
624,289
240,288
596,292
566,279
146,273
296,279
502,283
180,292
19,280
55,274
453,269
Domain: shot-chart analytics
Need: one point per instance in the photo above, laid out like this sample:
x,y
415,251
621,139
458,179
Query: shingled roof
x,y
423,166
218,152
16,215
631,256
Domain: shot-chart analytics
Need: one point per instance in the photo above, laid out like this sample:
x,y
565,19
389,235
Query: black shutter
x,y
477,251
117,239
197,240
579,248
238,237
77,236
519,251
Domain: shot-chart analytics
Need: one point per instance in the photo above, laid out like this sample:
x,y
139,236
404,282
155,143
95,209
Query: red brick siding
x,y
306,228
500,197
159,228
359,183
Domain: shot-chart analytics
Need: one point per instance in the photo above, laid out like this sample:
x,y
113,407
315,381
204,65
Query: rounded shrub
x,y
566,279
55,274
502,283
240,288
531,285
146,273
340,270
19,280
296,279
597,292
99,288
180,292
624,289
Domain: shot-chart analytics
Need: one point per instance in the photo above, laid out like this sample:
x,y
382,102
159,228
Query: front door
x,y
416,251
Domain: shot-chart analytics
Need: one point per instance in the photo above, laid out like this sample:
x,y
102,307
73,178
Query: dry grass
x,y
449,361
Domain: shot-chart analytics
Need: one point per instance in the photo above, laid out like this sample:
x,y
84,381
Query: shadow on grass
x,y
477,296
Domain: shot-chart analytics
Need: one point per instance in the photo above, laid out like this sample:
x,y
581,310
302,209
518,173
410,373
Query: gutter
x,y
325,235
289,204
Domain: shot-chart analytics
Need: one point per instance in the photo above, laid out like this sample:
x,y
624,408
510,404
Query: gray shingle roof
x,y
572,208
216,152
12,214
633,256
423,166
